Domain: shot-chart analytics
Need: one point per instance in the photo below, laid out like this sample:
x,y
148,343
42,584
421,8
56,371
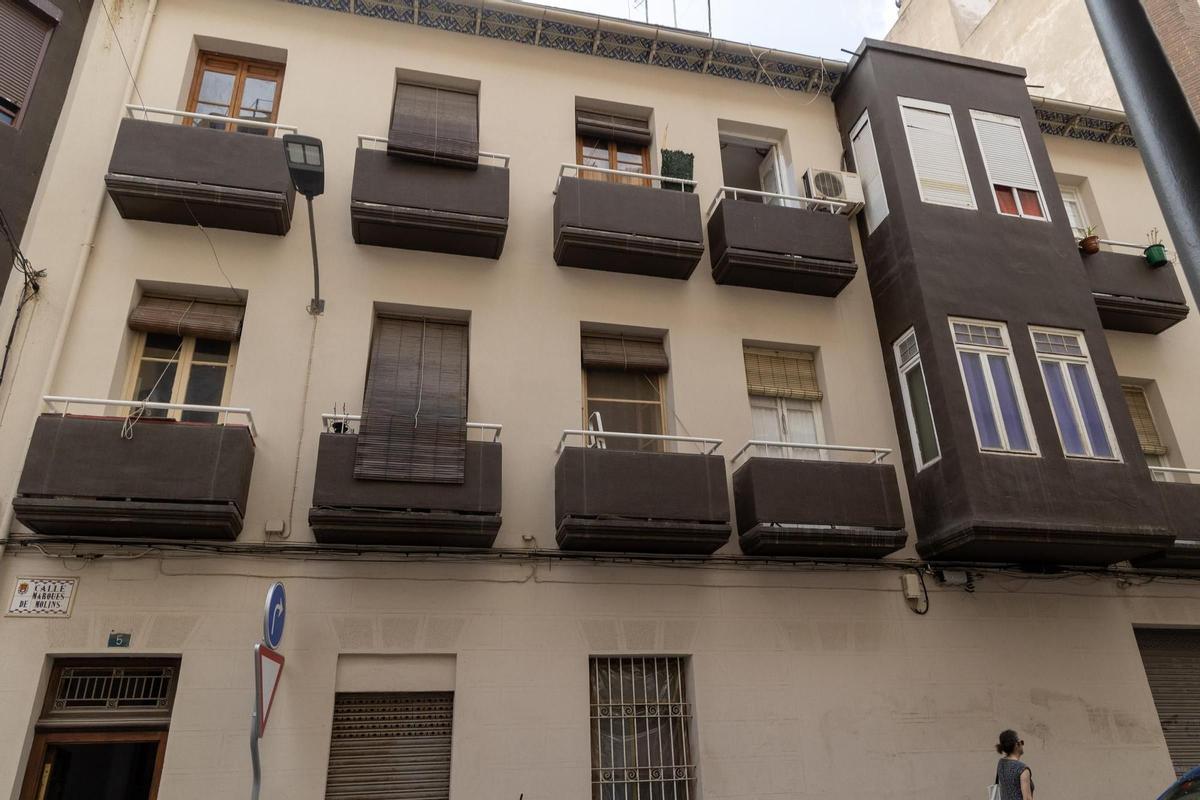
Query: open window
x,y
623,388
229,86
613,142
757,165
866,161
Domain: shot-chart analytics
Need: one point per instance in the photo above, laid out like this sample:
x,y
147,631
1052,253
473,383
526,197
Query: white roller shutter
x,y
866,161
1005,152
1172,661
936,154
390,745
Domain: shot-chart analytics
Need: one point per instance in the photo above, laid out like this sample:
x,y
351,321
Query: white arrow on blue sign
x,y
276,613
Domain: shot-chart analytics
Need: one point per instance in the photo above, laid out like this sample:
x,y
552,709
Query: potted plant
x,y
1156,251
677,164
1089,245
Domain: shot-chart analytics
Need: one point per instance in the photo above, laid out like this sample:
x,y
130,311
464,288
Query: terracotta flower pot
x,y
1089,245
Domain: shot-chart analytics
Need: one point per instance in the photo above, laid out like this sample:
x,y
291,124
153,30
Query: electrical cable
x,y
30,286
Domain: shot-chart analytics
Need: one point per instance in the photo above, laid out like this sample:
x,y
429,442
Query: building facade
x,y
502,475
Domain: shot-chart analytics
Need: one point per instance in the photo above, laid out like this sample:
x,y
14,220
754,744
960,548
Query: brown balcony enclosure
x,y
381,512
1133,296
1181,501
184,174
776,247
818,509
397,202
618,227
634,502
171,480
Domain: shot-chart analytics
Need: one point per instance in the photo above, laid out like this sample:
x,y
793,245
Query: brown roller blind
x,y
431,124
414,421
180,317
23,37
616,352
393,745
612,127
776,373
1143,421
1172,662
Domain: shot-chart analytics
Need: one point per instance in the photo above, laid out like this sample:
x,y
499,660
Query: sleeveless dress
x,y
1008,775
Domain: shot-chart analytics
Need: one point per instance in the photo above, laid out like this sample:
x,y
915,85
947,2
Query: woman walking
x,y
1012,775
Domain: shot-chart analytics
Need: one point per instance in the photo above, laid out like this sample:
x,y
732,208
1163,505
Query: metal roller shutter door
x,y
390,745
1172,661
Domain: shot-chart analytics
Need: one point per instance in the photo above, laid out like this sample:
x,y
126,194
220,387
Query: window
x,y
185,352
1075,396
623,388
866,160
922,433
390,744
936,154
235,87
1151,442
25,29
785,400
612,142
1076,211
1009,165
641,729
993,386
435,123
1172,661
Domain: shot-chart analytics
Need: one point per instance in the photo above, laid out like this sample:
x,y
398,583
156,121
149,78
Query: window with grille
x,y
993,386
641,729
1009,165
921,430
1075,398
95,688
936,154
395,745
785,400
866,161
25,30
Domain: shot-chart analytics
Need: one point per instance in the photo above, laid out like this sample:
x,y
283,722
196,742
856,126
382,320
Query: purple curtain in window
x,y
1010,408
981,404
1093,419
1068,429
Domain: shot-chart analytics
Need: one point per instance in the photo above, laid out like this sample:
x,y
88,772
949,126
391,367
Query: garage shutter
x,y
390,745
1172,661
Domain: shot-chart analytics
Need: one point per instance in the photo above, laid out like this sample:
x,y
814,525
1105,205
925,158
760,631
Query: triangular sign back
x,y
268,667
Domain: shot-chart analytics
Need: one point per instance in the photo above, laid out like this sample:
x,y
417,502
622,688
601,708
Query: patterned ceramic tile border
x,y
724,60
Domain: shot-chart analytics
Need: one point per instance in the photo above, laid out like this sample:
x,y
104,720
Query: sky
x,y
812,27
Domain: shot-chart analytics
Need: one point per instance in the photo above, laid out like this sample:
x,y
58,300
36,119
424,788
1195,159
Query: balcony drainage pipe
x,y
85,255
1163,124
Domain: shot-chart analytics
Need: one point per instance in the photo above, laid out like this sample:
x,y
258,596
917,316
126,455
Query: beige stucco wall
x,y
806,684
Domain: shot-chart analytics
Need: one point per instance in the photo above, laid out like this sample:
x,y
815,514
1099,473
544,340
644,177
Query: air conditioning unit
x,y
844,187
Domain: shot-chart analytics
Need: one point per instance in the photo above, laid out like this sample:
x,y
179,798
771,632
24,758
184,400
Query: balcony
x,y
188,175
621,227
1180,491
159,479
808,508
632,501
783,243
396,202
347,511
1133,296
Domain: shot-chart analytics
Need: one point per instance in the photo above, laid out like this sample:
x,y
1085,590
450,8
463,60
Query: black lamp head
x,y
306,163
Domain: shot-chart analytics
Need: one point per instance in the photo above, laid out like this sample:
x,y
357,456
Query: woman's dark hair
x,y
1008,743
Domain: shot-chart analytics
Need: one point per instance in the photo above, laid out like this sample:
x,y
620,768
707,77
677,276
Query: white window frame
x,y
872,220
781,411
183,369
1073,195
993,397
937,108
1086,360
1012,122
902,369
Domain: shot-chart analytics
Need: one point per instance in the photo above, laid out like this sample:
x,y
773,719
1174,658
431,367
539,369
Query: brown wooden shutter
x,y
612,127
414,421
24,34
776,373
623,353
390,745
1143,421
180,317
431,124
1172,662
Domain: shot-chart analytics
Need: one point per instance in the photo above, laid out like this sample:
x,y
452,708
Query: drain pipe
x,y
85,254
1163,124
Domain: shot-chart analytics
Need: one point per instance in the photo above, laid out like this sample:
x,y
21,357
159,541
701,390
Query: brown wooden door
x,y
95,765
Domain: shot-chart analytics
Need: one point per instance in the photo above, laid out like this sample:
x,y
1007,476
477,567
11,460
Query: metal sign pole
x,y
254,762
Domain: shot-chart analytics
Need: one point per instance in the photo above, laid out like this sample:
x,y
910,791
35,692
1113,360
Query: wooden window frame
x,y
657,380
184,362
240,68
612,162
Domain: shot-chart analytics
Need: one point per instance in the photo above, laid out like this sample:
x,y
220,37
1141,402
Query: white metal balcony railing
x,y
1141,248
1175,474
348,424
877,453
54,402
271,127
366,139
788,200
709,445
579,169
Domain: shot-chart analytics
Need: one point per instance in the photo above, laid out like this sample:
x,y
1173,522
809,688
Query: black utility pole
x,y
1162,121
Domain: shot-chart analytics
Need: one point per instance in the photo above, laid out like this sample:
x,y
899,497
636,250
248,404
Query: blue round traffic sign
x,y
276,613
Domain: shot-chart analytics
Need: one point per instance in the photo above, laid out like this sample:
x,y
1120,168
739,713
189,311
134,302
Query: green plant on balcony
x,y
677,164
1156,251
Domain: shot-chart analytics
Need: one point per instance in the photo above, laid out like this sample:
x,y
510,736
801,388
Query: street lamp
x,y
306,163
